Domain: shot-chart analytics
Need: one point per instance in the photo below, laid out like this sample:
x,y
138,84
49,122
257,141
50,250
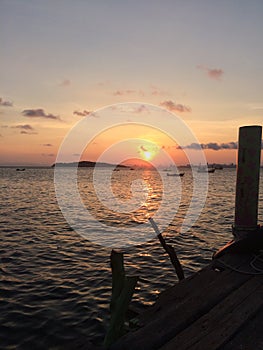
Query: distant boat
x,y
204,169
20,169
175,174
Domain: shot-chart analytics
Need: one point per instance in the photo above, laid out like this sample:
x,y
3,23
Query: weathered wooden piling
x,y
122,290
248,236
247,183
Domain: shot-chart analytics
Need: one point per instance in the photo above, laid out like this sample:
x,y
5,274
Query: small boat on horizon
x,y
204,169
20,169
176,174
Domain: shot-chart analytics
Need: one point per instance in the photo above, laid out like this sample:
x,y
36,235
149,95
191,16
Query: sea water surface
x,y
55,285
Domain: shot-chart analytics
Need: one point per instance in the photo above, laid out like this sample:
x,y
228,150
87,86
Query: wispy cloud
x,y
130,108
85,113
26,129
39,113
5,103
124,92
24,132
129,92
211,145
48,155
23,127
156,91
143,148
213,73
65,83
141,109
152,90
175,107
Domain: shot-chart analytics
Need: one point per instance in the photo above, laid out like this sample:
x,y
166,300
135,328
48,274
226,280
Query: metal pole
x,y
247,183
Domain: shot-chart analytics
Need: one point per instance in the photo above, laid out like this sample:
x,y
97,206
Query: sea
x,y
55,282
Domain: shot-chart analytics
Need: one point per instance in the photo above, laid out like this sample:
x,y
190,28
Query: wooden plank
x,y
179,293
248,337
216,327
170,319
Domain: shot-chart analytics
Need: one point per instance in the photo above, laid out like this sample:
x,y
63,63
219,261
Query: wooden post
x,y
122,290
247,183
169,250
248,236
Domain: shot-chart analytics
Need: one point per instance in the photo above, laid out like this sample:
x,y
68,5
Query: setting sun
x,y
148,155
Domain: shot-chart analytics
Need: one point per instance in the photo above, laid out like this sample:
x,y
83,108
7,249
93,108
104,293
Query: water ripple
x,y
55,286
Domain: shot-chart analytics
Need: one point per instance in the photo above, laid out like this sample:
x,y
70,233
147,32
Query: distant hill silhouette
x,y
87,164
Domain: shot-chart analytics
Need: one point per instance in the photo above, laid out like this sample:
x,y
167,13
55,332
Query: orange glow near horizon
x,y
134,141
36,150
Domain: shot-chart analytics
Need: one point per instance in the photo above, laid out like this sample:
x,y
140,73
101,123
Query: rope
x,y
255,269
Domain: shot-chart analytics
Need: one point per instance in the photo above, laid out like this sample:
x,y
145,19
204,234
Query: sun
x,y
147,155
148,150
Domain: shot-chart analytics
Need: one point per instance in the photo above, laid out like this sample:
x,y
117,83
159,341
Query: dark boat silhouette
x,y
175,174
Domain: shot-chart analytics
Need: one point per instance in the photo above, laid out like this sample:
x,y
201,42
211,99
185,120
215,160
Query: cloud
x,y
153,90
5,103
143,149
157,91
124,92
28,132
211,145
229,145
213,73
175,107
48,155
39,113
26,129
85,113
23,127
65,83
128,92
191,146
141,109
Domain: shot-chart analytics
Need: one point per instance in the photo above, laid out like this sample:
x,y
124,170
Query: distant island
x,y
88,164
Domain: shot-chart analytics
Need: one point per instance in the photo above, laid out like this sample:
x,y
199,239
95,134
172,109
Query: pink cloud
x,y
141,109
124,92
175,107
156,91
65,83
5,103
213,73
85,113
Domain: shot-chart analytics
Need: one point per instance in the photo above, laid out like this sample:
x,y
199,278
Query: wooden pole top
x,y
247,183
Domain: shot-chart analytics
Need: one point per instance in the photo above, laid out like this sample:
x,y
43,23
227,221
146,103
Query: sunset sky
x,y
60,60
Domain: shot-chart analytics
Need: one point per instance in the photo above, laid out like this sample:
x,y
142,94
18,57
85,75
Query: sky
x,y
62,61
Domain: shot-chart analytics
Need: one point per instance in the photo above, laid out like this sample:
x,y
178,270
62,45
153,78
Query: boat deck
x,y
219,307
